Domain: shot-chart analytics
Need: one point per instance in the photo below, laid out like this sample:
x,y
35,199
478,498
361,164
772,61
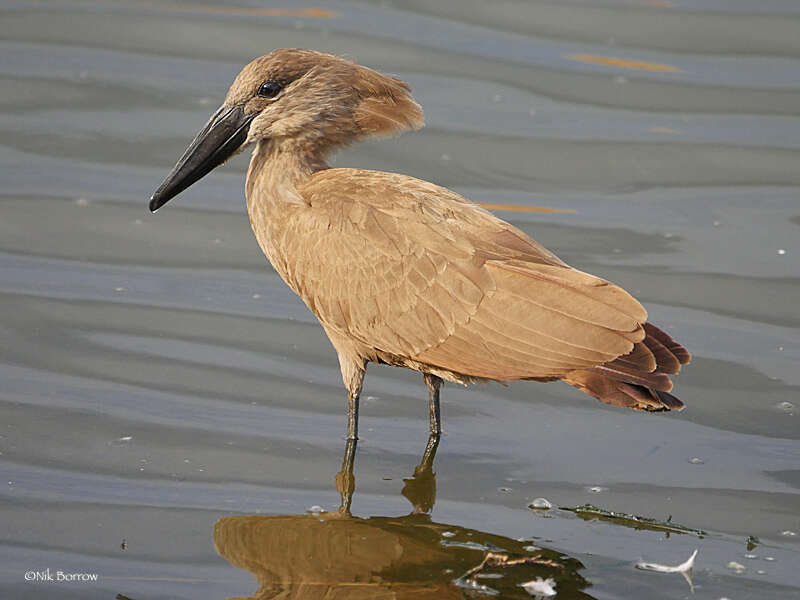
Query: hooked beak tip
x,y
154,204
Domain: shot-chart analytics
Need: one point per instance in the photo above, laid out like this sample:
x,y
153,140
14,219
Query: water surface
x,y
170,410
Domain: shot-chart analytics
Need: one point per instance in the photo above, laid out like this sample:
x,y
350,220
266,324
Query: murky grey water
x,y
156,375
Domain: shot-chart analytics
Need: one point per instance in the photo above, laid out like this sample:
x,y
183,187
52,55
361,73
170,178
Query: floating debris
x,y
697,461
310,13
769,558
540,588
504,490
596,489
665,130
590,511
658,568
474,586
611,61
449,534
788,533
502,560
315,510
781,251
735,566
541,504
685,568
467,545
123,440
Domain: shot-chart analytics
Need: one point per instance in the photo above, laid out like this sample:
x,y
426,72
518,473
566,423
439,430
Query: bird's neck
x,y
276,171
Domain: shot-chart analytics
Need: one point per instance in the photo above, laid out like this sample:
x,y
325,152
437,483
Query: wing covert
x,y
414,270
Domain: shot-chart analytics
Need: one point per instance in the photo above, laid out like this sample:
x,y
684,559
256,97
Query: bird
x,y
404,272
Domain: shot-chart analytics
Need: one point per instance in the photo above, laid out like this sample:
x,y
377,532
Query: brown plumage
x,y
404,272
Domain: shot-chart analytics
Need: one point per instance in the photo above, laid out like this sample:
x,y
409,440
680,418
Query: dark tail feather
x,y
656,352
639,379
670,401
666,361
680,353
620,393
656,381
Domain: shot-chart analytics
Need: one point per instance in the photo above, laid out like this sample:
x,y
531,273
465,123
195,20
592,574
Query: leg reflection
x,y
420,489
334,555
345,479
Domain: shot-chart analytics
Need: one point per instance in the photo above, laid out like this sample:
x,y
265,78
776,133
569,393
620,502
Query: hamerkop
x,y
403,272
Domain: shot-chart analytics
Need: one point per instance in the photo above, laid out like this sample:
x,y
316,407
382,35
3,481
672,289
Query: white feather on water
x,y
681,568
685,568
540,588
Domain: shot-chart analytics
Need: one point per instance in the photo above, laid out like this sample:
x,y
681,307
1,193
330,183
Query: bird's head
x,y
303,100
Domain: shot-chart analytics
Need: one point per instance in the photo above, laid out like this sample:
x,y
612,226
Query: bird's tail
x,y
638,379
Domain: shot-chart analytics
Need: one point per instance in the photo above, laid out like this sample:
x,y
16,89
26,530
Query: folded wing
x,y
414,270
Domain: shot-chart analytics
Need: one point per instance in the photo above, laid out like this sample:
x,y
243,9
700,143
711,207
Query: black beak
x,y
222,136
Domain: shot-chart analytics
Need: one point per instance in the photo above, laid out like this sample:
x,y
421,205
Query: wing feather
x,y
641,358
414,270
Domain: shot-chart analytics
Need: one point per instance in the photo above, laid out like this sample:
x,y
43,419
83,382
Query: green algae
x,y
591,512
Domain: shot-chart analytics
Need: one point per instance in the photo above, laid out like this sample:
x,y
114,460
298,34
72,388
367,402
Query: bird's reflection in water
x,y
334,555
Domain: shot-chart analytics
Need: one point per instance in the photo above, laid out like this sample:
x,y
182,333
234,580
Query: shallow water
x,y
160,386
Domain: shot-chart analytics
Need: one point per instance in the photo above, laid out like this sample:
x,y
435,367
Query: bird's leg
x,y
345,479
352,415
434,383
353,383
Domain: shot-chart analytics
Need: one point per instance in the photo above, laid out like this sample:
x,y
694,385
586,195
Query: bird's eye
x,y
269,89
